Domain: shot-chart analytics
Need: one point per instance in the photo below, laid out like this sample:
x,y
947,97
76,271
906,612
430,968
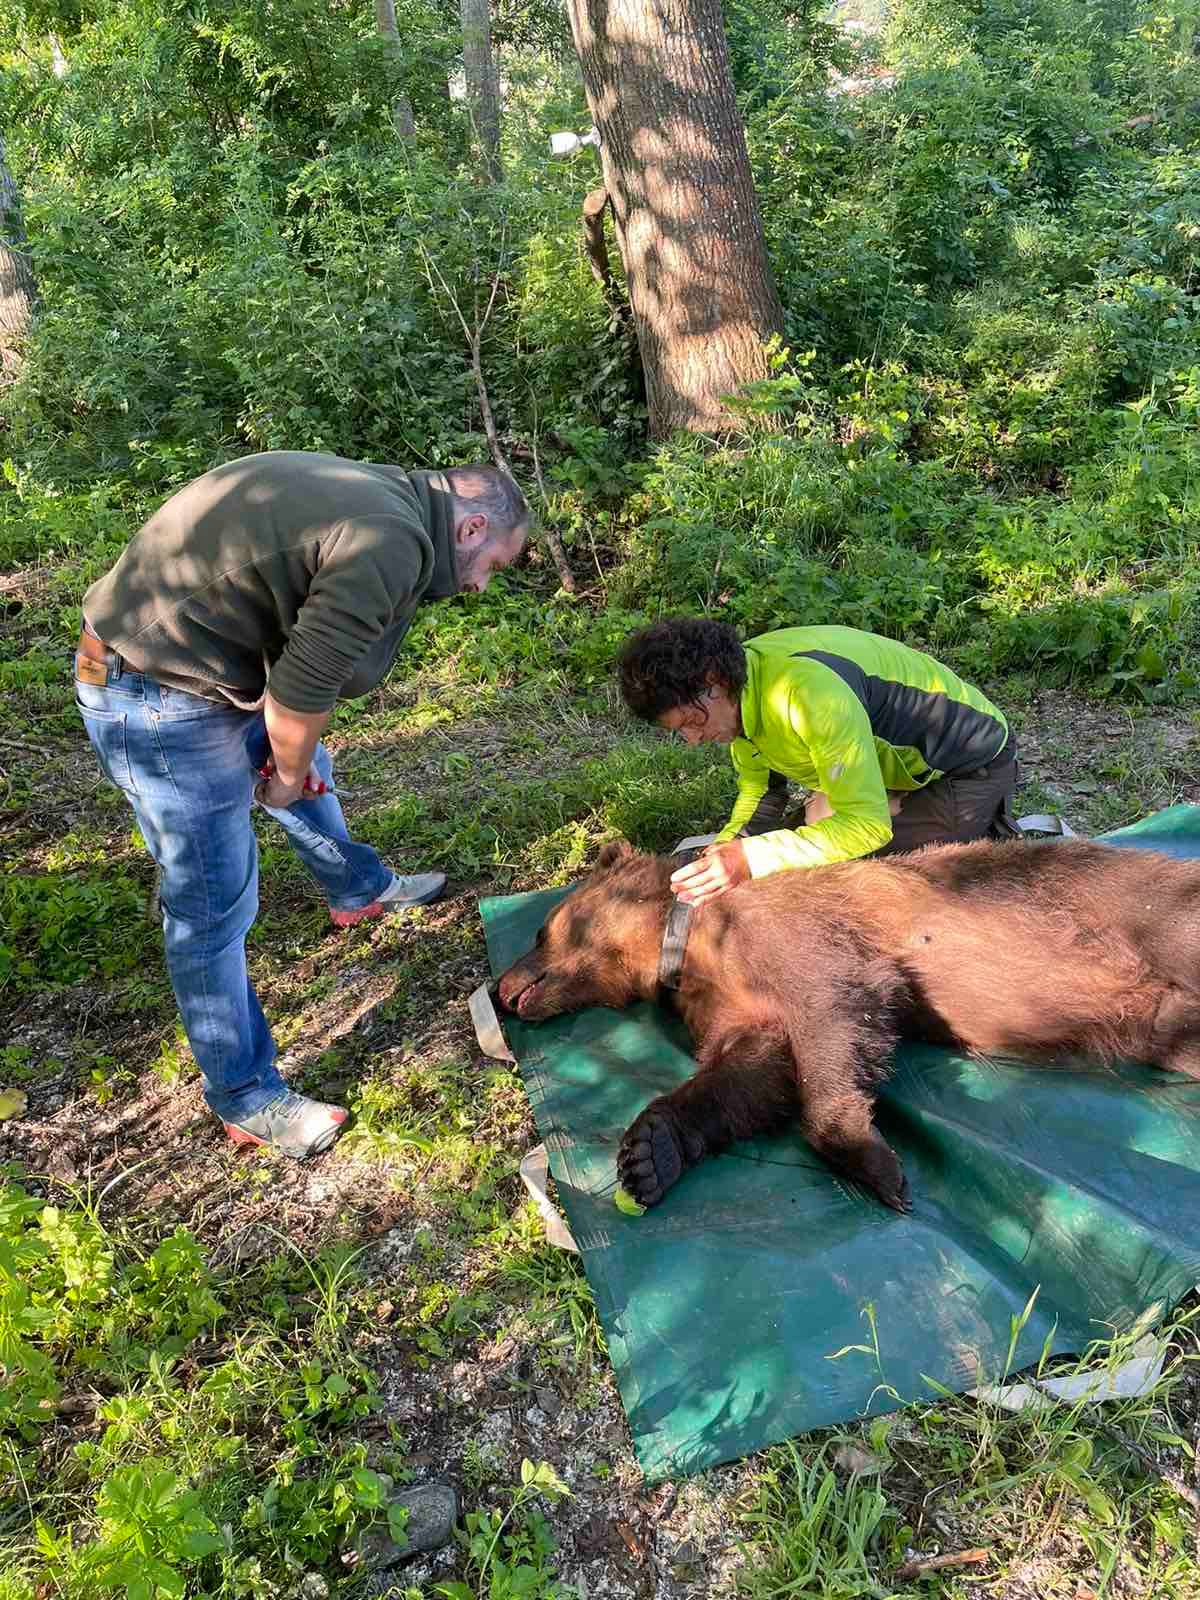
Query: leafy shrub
x,y
68,1299
151,1529
58,928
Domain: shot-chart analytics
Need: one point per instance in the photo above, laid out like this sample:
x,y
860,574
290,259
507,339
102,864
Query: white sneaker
x,y
292,1123
416,890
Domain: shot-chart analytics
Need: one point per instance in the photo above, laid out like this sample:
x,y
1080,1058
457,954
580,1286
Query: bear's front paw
x,y
654,1152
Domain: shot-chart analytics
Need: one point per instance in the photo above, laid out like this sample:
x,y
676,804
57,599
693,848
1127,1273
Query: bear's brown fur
x,y
797,987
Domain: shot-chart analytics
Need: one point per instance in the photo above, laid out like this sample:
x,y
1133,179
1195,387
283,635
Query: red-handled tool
x,y
267,770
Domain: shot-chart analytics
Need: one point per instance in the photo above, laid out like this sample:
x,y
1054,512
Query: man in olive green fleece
x,y
211,658
898,750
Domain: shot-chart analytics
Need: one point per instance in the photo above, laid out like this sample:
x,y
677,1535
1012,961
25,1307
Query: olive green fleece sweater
x,y
290,570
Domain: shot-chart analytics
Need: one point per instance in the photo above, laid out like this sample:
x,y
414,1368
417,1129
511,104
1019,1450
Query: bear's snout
x,y
519,986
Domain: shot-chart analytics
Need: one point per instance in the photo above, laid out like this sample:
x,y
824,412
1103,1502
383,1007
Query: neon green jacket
x,y
853,715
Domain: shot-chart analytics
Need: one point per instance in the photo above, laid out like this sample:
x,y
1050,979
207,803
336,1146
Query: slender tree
x,y
18,290
483,84
385,23
687,219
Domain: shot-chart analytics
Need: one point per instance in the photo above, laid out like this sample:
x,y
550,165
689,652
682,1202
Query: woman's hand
x,y
716,870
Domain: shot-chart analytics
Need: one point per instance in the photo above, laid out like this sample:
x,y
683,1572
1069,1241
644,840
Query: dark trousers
x,y
953,810
957,809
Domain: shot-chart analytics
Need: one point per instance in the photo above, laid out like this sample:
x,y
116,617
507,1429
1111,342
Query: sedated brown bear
x,y
797,987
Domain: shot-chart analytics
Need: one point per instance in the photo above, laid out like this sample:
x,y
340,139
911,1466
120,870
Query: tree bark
x,y
385,23
687,219
18,290
483,83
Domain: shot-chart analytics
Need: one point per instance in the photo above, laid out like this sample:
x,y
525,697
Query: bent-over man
x,y
898,750
211,658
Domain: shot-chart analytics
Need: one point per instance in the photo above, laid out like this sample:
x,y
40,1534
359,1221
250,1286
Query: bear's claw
x,y
902,1200
652,1156
883,1174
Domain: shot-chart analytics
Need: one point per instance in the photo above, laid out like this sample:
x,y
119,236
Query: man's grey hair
x,y
491,491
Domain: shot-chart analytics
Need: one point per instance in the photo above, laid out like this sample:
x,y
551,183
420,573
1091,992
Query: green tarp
x,y
726,1306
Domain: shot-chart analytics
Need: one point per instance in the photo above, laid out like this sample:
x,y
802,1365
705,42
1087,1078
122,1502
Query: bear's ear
x,y
612,854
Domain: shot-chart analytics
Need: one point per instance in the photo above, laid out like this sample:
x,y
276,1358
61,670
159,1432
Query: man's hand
x,y
292,738
716,869
275,792
277,795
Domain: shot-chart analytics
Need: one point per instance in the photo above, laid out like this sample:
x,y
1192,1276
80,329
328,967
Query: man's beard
x,y
468,567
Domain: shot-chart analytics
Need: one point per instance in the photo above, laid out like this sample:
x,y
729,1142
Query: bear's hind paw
x,y
902,1199
885,1177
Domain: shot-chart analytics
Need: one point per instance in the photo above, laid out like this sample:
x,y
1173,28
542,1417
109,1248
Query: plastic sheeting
x,y
764,1297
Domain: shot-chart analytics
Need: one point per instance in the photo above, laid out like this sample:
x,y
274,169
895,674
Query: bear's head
x,y
599,946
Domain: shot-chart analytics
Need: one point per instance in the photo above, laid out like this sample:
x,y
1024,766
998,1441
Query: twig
x,y
557,553
956,1558
474,338
1139,1453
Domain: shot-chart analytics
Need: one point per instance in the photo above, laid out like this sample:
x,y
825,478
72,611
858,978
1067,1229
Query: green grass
x,y
221,1365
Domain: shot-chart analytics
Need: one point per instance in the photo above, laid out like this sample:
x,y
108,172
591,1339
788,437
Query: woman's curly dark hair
x,y
671,663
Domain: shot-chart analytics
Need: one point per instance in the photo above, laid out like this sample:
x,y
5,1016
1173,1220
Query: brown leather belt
x,y
94,659
95,649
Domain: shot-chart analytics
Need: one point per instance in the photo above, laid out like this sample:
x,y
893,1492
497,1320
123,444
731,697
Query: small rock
x,y
853,1458
687,1562
432,1512
548,1400
313,1587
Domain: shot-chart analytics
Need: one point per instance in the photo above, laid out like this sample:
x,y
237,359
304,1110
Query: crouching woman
x,y
898,751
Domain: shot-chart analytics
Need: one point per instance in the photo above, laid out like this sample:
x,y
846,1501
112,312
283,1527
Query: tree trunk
x,y
686,215
483,84
385,22
18,291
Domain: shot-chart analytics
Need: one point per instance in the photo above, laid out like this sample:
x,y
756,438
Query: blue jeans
x,y
188,767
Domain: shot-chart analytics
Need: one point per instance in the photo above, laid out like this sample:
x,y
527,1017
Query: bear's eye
x,y
541,936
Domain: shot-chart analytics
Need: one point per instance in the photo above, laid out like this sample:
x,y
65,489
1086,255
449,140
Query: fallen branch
x,y
955,1558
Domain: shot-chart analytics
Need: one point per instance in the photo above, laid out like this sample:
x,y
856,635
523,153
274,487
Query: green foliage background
x,y
984,419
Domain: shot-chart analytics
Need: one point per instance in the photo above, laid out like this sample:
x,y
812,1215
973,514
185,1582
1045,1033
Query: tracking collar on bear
x,y
674,944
